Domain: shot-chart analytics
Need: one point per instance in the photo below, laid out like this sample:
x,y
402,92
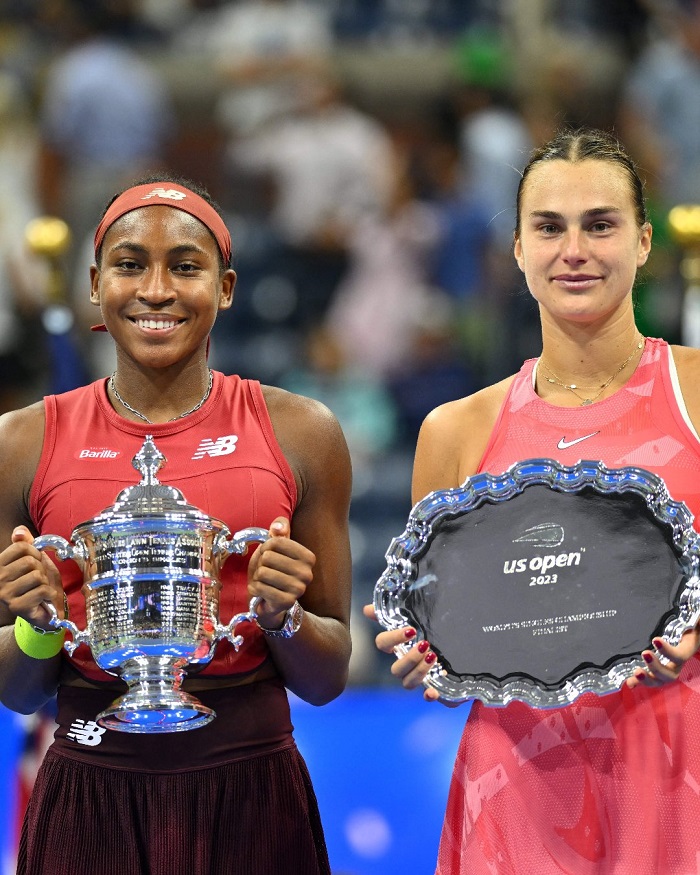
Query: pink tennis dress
x,y
609,785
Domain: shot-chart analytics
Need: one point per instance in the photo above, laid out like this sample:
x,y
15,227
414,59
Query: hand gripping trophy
x,y
151,565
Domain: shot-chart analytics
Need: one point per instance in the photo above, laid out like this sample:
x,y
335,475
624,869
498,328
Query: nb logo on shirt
x,y
222,446
168,193
86,732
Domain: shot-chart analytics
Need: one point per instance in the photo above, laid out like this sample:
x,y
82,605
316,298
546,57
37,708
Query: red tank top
x,y
224,458
609,784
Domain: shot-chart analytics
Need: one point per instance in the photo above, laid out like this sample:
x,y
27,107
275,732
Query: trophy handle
x,y
239,542
228,631
64,549
79,637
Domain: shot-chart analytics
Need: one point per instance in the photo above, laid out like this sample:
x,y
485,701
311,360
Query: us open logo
x,y
544,563
544,535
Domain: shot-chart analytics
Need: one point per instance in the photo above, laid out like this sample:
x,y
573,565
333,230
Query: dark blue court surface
x,y
11,734
381,762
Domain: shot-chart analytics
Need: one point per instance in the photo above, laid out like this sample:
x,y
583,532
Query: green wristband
x,y
35,644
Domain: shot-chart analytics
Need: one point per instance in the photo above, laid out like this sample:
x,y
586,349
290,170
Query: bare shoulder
x,y
687,361
300,420
22,434
21,440
475,412
686,356
309,435
453,438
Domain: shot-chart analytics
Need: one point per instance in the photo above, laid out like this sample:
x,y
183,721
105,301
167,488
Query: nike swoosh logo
x,y
564,444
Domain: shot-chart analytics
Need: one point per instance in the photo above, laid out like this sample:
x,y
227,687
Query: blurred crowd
x,y
366,156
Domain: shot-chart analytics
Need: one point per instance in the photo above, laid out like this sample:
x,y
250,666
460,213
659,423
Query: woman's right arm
x,y
450,446
28,578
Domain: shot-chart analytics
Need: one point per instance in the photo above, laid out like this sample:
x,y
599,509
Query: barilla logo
x,y
222,446
97,453
168,193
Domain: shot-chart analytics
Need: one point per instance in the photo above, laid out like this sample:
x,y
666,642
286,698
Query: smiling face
x,y
159,285
579,243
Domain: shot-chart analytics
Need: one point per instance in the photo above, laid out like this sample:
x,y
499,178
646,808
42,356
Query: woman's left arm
x,y
665,662
308,559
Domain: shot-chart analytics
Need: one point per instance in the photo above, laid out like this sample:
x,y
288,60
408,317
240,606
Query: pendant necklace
x,y
145,418
573,387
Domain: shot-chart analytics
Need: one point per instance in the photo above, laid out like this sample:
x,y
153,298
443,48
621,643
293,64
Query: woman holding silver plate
x,y
234,795
607,784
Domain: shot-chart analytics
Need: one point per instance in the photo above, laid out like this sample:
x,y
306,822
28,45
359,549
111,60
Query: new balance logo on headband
x,y
169,193
222,446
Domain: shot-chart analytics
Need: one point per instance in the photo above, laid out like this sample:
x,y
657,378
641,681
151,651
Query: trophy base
x,y
176,712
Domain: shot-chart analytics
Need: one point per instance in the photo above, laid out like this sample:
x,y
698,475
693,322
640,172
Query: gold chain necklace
x,y
572,387
145,418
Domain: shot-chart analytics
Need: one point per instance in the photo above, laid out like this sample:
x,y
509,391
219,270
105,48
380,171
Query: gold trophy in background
x,y
684,227
49,238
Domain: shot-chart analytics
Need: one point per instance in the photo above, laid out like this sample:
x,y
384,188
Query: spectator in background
x,y
493,133
381,302
105,113
21,277
572,58
329,166
660,111
264,50
466,264
437,371
494,137
459,261
364,408
659,117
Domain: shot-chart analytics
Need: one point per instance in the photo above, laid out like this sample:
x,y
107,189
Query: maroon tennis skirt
x,y
219,800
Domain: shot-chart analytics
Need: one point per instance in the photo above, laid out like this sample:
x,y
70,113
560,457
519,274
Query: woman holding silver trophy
x,y
149,579
604,783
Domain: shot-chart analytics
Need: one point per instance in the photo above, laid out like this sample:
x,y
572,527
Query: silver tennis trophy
x,y
544,582
151,564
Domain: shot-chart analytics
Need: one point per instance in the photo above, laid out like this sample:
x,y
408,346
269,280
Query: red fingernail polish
x,y
409,633
423,646
647,657
430,658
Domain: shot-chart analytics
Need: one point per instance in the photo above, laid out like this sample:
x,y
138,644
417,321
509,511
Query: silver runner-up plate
x,y
544,582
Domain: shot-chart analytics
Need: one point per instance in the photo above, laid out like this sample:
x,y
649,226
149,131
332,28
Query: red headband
x,y
168,194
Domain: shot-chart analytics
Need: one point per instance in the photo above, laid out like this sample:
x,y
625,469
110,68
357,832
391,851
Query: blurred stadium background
x,y
366,155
